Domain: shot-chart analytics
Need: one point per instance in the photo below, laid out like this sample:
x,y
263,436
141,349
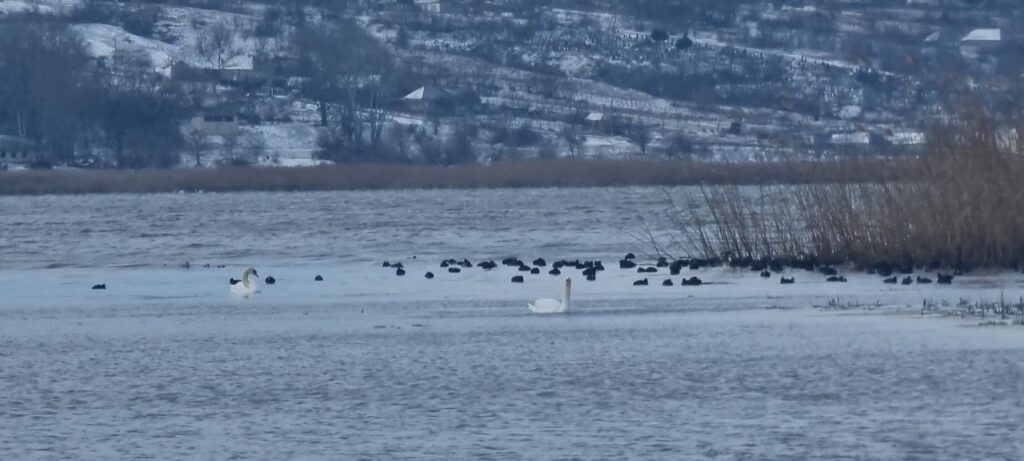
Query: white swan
x,y
553,306
245,287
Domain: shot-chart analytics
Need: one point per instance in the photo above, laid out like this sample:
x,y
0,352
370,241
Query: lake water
x,y
166,364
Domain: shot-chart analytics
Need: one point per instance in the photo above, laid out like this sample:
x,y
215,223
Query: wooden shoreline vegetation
x,y
519,174
959,206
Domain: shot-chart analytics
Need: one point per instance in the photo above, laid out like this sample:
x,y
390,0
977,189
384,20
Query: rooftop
x,y
983,35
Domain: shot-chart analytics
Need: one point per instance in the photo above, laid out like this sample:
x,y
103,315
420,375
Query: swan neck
x,y
565,297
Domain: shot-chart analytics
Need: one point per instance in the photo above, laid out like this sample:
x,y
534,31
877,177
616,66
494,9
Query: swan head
x,y
249,271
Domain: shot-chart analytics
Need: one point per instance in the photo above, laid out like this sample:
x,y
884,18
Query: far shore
x,y
520,174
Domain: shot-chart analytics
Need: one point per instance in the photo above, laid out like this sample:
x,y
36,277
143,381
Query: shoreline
x,y
568,173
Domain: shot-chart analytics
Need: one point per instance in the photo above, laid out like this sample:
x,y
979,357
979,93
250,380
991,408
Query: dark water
x,y
111,230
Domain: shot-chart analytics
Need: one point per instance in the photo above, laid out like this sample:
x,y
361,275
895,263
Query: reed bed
x,y
537,173
960,205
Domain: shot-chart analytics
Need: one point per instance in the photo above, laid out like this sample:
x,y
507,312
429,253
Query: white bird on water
x,y
245,286
553,306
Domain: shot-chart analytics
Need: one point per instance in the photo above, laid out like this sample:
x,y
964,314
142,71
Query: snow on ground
x,y
188,27
103,39
191,25
572,17
796,55
294,162
608,147
283,144
22,6
285,140
576,65
406,119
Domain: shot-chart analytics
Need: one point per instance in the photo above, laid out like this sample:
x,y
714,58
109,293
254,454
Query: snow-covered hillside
x,y
739,81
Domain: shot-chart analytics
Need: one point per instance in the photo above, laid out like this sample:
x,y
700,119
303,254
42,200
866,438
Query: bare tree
x,y
219,44
140,119
458,148
229,149
430,149
254,147
339,61
197,144
640,135
45,93
374,113
573,138
399,138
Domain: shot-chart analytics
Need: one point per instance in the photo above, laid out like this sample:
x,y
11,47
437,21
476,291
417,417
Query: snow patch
x,y
20,7
102,40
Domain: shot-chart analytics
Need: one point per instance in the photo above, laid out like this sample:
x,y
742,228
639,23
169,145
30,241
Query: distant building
x,y
850,112
594,119
980,41
858,138
426,93
941,39
276,66
216,124
181,71
983,36
884,142
426,96
906,138
16,150
430,6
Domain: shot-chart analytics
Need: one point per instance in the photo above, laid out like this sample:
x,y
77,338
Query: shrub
x,y
141,20
684,43
270,24
521,136
93,11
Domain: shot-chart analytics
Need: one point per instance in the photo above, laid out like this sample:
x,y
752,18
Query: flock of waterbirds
x,y
590,269
767,268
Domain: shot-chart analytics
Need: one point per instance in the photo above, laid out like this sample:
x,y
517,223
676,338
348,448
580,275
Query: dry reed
x,y
540,173
960,205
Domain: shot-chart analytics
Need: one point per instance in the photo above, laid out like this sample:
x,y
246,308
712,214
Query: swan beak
x,y
254,273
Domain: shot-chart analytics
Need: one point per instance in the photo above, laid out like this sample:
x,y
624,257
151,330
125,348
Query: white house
x,y
907,138
847,139
425,93
430,6
983,36
850,112
979,40
15,150
216,124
